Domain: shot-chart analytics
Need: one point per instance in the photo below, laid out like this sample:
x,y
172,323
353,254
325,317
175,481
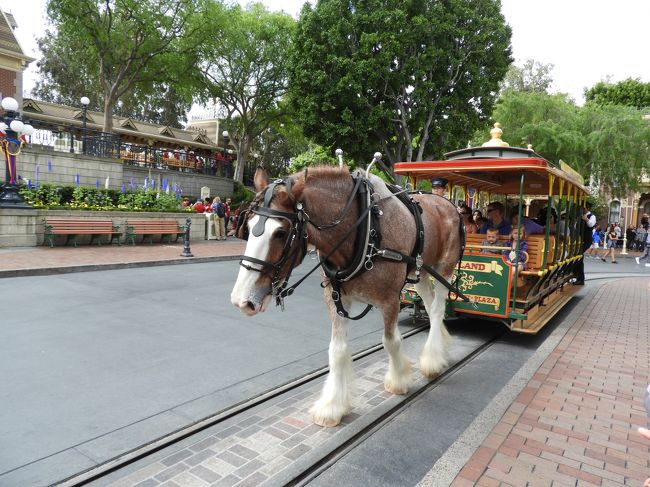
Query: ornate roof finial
x,y
496,134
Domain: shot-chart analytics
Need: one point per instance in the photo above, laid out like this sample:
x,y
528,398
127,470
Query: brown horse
x,y
325,207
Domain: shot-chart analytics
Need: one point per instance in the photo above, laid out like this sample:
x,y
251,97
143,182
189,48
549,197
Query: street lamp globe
x,y
3,127
28,129
9,104
85,101
16,125
225,134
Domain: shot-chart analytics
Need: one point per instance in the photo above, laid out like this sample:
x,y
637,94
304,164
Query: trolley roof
x,y
496,169
493,174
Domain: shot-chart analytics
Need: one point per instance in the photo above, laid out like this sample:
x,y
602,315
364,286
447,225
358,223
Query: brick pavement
x,y
22,260
575,421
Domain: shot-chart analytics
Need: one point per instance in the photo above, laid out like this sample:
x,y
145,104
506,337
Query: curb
x,y
449,465
48,271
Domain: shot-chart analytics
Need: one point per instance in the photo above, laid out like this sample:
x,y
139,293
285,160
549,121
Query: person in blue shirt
x,y
495,214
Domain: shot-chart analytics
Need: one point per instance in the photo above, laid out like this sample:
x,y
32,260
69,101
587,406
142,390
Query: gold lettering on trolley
x,y
489,267
488,300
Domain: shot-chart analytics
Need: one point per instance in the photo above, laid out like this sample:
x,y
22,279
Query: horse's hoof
x,y
327,414
432,368
393,389
431,375
326,422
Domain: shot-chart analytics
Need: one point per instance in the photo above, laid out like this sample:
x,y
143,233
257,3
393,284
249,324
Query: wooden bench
x,y
149,228
536,249
73,227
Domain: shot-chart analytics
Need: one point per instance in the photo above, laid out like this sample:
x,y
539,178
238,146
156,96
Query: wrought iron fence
x,y
102,144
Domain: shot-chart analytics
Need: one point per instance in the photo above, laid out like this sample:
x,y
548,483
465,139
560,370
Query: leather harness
x,y
367,242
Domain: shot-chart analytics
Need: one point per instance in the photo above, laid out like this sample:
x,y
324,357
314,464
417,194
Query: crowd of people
x,y
224,220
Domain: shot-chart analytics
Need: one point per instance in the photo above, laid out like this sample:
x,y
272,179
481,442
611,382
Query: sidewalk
x,y
22,261
575,421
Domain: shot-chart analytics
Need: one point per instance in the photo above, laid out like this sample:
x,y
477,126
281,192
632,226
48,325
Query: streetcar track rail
x,y
312,471
170,439
326,455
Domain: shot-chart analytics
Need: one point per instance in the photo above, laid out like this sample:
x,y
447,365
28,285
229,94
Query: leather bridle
x,y
296,222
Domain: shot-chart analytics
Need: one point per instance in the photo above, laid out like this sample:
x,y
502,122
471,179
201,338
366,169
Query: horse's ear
x,y
261,179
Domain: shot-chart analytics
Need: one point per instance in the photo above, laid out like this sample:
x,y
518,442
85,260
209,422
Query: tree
x,y
410,78
532,76
630,92
128,43
607,143
277,146
244,72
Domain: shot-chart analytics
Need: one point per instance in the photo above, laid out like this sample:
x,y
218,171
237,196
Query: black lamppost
x,y
84,103
13,134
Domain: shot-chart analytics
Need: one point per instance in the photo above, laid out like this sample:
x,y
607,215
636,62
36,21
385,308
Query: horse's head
x,y
273,227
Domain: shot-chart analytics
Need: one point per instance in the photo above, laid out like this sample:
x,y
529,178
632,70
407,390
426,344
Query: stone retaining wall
x,y
62,168
25,228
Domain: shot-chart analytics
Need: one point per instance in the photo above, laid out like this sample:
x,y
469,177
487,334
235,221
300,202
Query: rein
x,y
364,253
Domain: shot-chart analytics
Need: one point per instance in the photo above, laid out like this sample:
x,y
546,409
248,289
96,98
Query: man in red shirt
x,y
198,206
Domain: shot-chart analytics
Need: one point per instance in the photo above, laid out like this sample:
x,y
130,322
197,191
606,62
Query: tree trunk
x,y
108,114
242,156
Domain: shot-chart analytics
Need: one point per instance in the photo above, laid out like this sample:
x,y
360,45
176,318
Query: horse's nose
x,y
245,306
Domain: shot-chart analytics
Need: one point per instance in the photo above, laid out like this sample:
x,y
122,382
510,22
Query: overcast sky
x,y
586,40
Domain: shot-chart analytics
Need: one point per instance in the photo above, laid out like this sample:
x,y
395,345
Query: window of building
x,y
614,211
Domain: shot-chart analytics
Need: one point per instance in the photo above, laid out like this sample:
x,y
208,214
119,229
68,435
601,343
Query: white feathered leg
x,y
336,397
398,376
433,359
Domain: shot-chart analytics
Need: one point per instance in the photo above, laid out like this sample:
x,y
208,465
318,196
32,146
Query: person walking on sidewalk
x,y
610,244
595,245
589,222
646,254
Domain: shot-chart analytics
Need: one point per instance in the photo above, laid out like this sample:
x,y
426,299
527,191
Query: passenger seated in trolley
x,y
518,259
491,240
530,225
495,212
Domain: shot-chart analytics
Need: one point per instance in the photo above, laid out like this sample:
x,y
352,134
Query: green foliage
x,y
409,78
532,76
122,50
314,156
608,144
89,198
243,69
241,194
630,92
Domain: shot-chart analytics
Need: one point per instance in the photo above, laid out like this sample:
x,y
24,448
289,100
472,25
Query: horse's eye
x,y
280,234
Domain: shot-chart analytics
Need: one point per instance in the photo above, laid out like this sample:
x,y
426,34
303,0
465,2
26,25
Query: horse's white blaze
x,y
433,359
246,289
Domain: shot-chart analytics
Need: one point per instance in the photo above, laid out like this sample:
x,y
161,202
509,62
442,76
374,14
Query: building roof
x,y
9,44
57,117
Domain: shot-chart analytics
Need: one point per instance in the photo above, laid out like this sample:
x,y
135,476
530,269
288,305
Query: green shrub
x,y
88,198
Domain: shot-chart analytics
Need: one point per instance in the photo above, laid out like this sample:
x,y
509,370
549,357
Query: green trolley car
x,y
525,297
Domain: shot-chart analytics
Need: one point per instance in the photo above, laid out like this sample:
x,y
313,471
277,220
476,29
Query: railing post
x,y
186,239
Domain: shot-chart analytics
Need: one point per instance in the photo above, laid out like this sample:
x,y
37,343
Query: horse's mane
x,y
325,172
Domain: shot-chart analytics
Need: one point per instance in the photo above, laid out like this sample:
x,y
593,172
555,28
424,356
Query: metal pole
x,y
186,239
83,141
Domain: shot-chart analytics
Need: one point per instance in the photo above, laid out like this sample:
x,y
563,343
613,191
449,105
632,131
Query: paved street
x,y
95,363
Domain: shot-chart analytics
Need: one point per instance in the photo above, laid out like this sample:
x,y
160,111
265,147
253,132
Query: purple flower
x,y
76,179
97,183
123,188
49,166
